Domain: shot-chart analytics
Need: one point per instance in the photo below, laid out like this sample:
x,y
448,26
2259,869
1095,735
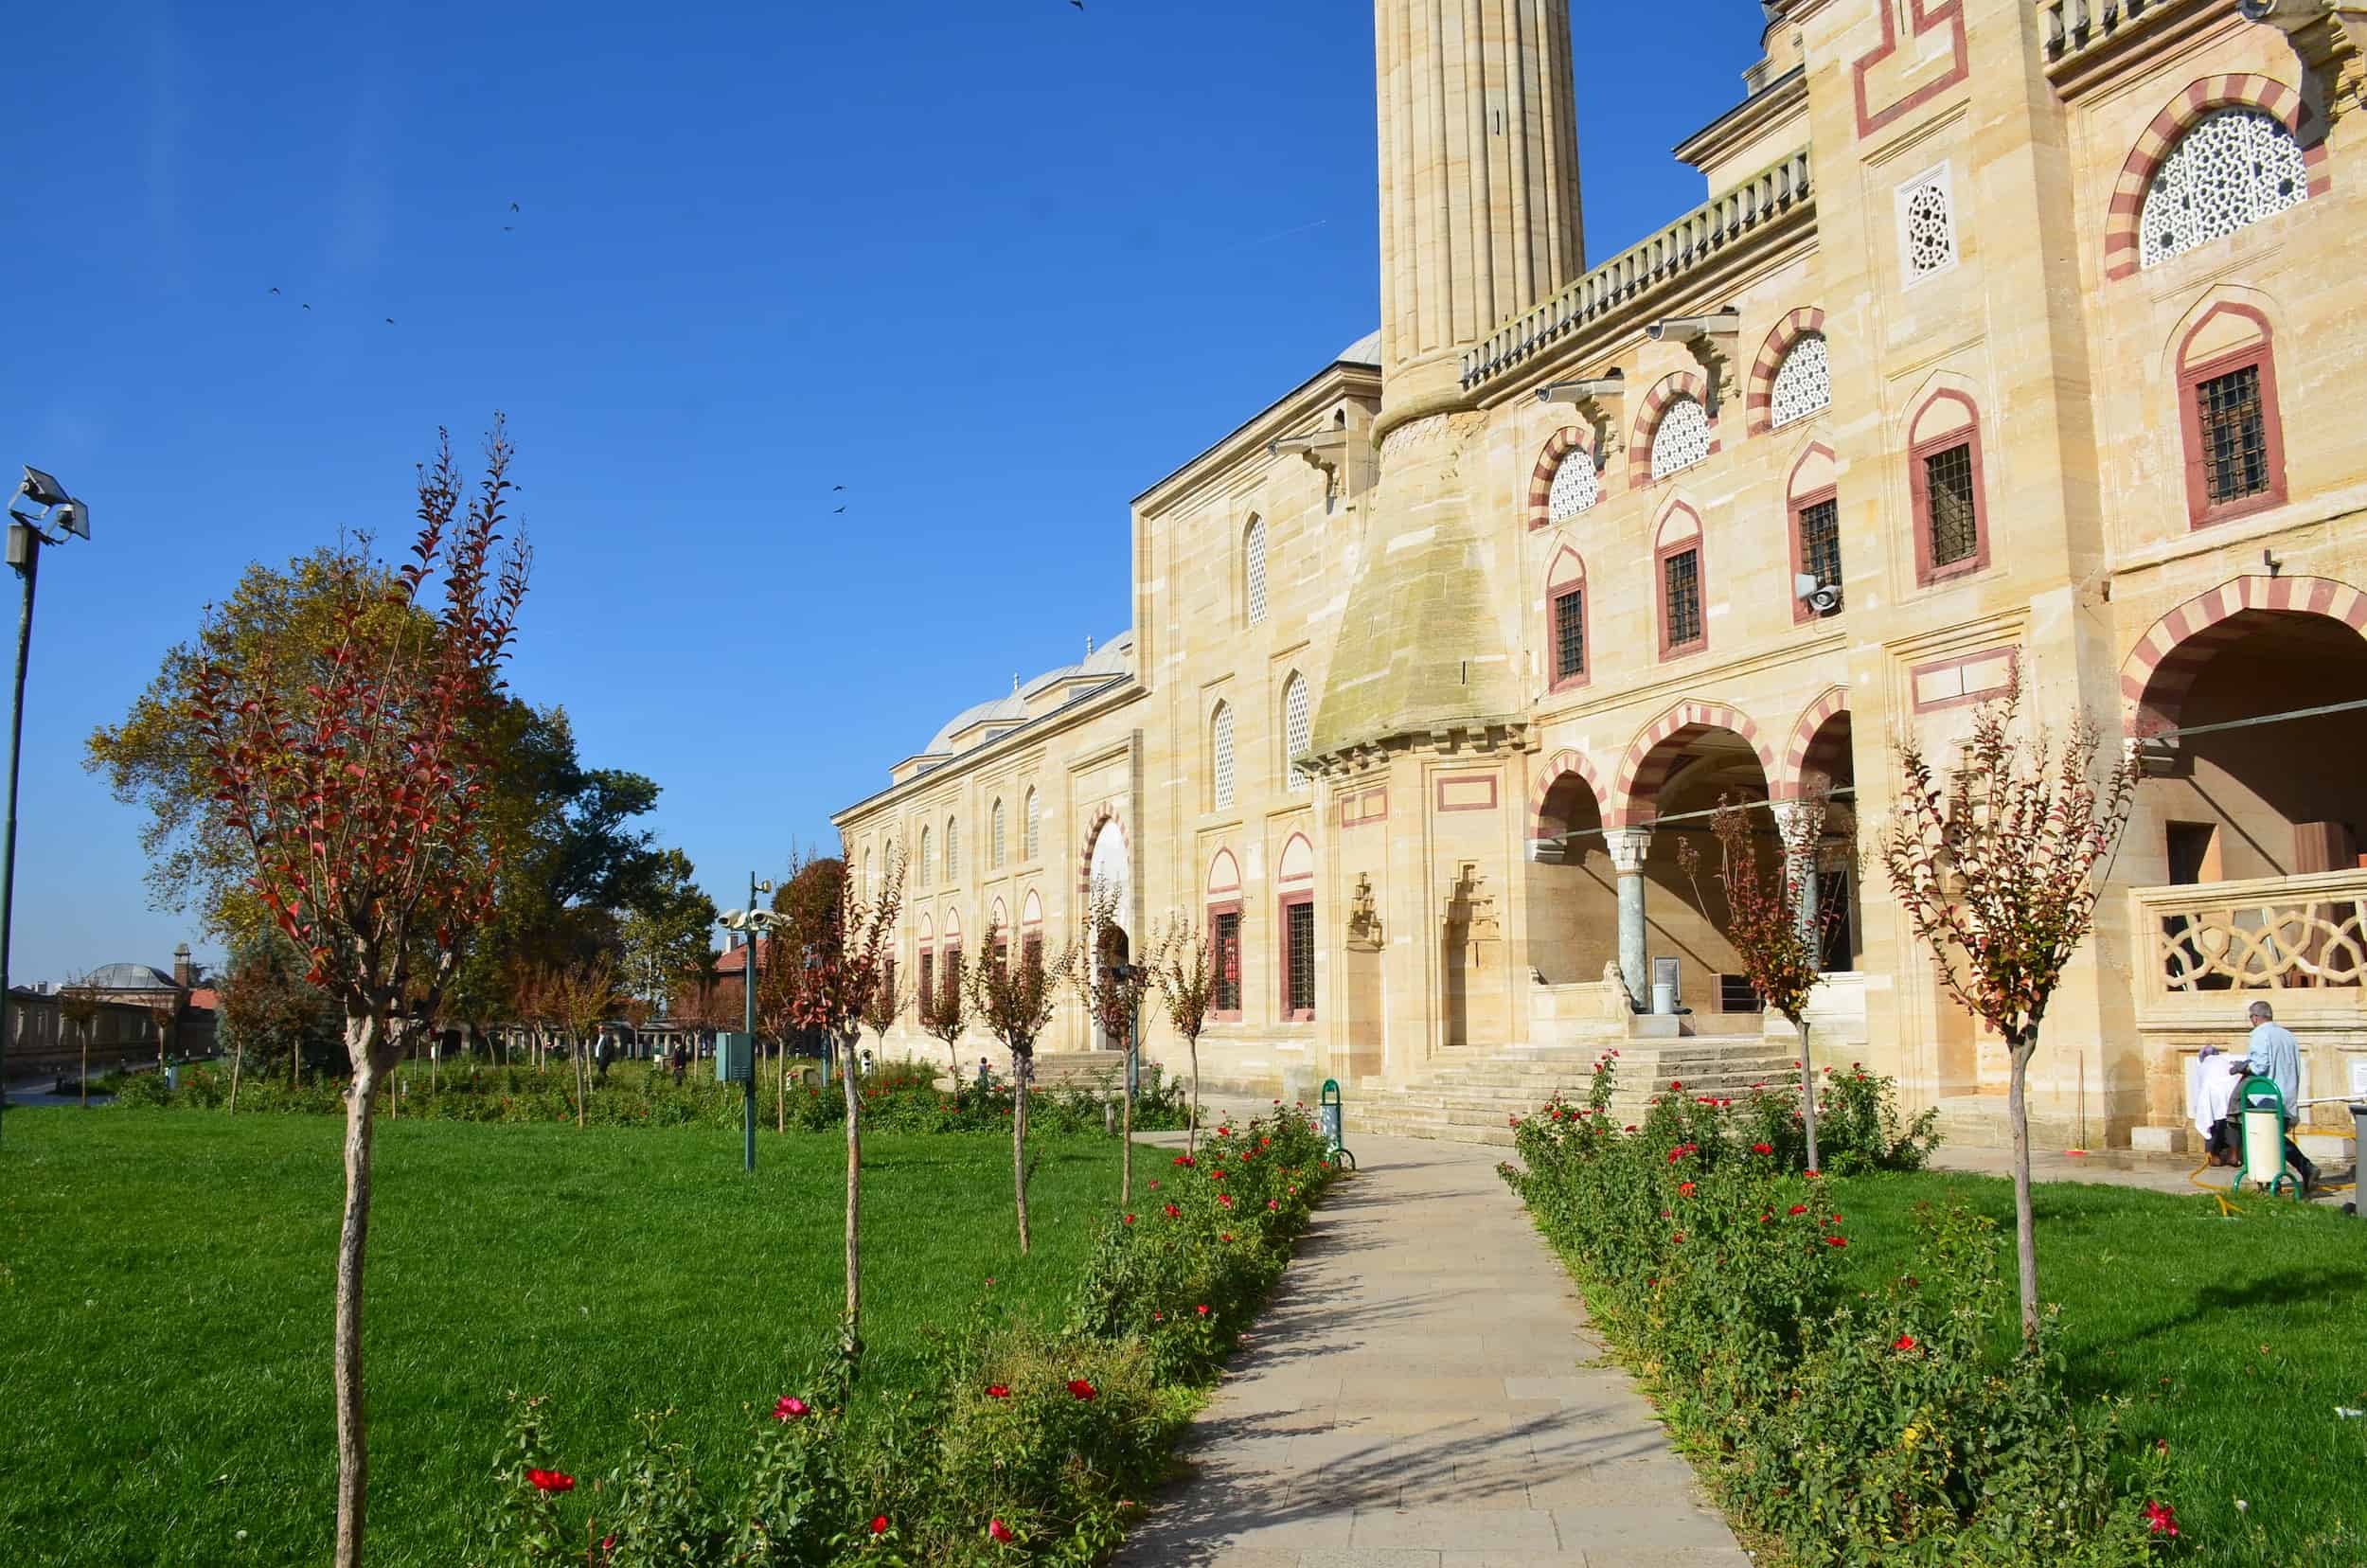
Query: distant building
x,y
134,1002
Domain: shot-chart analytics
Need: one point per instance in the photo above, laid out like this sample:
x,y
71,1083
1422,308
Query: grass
x,y
2234,1339
166,1282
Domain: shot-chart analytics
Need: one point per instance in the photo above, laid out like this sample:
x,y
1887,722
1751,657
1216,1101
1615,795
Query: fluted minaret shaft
x,y
1479,176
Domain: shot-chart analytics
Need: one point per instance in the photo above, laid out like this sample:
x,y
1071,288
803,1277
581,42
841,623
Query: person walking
x,y
2275,1054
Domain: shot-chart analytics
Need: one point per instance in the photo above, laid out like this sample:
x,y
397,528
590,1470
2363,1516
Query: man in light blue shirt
x,y
2276,1056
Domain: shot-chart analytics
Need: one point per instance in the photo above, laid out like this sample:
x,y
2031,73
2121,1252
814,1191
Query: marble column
x,y
1794,822
1628,847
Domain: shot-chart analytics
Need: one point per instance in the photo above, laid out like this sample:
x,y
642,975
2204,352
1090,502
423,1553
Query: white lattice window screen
x,y
1803,383
866,894
996,835
1682,438
1927,217
2232,168
1577,487
952,850
1033,829
928,858
1295,728
1254,570
1222,768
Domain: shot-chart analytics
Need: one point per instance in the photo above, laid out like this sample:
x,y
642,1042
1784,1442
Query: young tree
x,y
1777,939
267,1007
1996,868
886,1004
1184,966
358,797
581,998
1015,1002
79,1005
1111,988
851,949
666,934
945,1010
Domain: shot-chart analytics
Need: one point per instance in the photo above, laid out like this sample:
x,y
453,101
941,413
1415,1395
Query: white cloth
x,y
2220,1084
2198,1075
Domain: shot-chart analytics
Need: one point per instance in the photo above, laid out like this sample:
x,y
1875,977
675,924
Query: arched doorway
x,y
1677,775
1574,903
1110,875
1828,775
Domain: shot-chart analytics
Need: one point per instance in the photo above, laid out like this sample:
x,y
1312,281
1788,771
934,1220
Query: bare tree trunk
x,y
362,1044
583,1081
854,1194
238,1059
781,1115
1126,1155
1021,1062
1191,1134
1808,1091
85,1066
2025,1235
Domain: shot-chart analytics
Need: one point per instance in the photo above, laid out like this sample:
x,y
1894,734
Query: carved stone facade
x,y
1917,349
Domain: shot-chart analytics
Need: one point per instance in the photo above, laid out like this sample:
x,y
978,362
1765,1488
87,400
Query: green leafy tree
x,y
269,1012
665,936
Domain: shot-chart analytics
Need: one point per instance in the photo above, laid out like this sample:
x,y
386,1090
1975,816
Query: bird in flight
x,y
308,305
513,206
841,509
275,288
390,321
1079,4
838,486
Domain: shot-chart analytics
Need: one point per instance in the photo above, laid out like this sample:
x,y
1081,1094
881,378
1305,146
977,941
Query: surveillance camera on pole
x,y
1584,390
1689,329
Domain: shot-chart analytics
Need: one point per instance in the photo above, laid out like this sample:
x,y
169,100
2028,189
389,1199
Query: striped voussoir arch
x,y
1564,441
1645,769
1558,767
2161,671
1792,783
2244,89
1680,384
1759,401
1107,816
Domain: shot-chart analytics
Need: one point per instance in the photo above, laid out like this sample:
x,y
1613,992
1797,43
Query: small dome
x,y
1364,351
130,977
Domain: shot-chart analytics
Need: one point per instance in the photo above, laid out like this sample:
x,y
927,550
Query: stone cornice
x,y
1288,415
1779,100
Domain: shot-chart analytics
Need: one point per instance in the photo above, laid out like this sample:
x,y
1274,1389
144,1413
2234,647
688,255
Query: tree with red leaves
x,y
1015,1002
848,949
1996,866
1115,1001
358,797
1184,962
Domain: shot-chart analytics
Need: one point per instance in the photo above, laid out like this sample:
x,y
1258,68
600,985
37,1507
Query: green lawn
x,y
164,1288
2235,1339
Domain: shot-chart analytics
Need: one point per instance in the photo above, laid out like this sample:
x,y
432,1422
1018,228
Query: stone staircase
x,y
1471,1095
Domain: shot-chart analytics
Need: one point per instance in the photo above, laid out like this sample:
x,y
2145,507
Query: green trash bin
x,y
1331,1116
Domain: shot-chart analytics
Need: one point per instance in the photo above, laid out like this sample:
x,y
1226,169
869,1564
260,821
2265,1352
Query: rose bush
x,y
1856,1427
1023,1441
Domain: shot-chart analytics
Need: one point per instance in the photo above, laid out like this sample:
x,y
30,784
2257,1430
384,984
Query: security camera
x,y
41,490
73,517
1820,596
2255,10
1583,389
1685,328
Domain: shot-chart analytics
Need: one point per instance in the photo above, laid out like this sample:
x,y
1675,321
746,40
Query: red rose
x,y
1082,1389
1799,1208
1129,1219
790,1408
551,1480
1762,1149
999,1532
879,1524
1173,1211
1684,1189
1676,1084
1835,1242
1904,1342
1764,1217
998,1391
1202,1311
2160,1519
1812,1175
1679,1238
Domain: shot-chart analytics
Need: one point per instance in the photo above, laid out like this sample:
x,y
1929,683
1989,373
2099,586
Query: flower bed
x,y
1870,1427
1026,1441
898,1097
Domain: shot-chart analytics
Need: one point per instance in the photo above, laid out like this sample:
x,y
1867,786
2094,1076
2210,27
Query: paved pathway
x,y
1423,1393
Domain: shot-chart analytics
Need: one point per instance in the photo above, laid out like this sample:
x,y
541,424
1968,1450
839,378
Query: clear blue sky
x,y
994,265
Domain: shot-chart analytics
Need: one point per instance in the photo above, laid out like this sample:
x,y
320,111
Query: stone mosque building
x,y
1973,365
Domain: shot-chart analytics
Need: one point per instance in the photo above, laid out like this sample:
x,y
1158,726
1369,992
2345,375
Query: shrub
x,y
1876,1429
1047,1433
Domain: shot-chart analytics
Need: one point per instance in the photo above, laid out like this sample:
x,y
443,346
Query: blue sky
x,y
994,265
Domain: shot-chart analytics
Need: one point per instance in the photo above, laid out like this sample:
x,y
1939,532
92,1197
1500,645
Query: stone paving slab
x,y
1422,1395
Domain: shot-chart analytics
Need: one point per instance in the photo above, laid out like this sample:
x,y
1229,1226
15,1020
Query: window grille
x,y
2231,169
995,844
1569,635
2234,434
1803,383
928,998
1223,747
1228,963
928,858
1953,514
1820,543
1682,438
952,850
1577,487
1928,221
1734,996
1681,576
1253,569
1033,828
1030,954
1301,948
1295,728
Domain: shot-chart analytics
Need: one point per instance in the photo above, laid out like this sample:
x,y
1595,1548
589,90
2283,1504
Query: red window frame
x,y
1216,959
1284,904
1554,594
2201,512
1800,504
1698,543
1919,501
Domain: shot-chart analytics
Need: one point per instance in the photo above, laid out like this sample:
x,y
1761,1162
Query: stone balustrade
x,y
2270,933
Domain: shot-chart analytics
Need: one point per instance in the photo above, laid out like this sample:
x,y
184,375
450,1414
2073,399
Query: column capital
x,y
1628,847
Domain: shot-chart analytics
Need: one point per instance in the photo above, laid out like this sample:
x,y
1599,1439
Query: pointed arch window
x,y
1254,570
1032,828
928,858
1296,729
994,836
2231,168
1565,622
1682,438
953,848
1577,487
1220,756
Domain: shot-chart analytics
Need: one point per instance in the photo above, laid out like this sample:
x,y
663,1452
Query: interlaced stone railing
x,y
1780,189
2270,932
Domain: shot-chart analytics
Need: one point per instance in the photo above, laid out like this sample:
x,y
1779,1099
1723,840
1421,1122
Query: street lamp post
x,y
26,535
750,921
